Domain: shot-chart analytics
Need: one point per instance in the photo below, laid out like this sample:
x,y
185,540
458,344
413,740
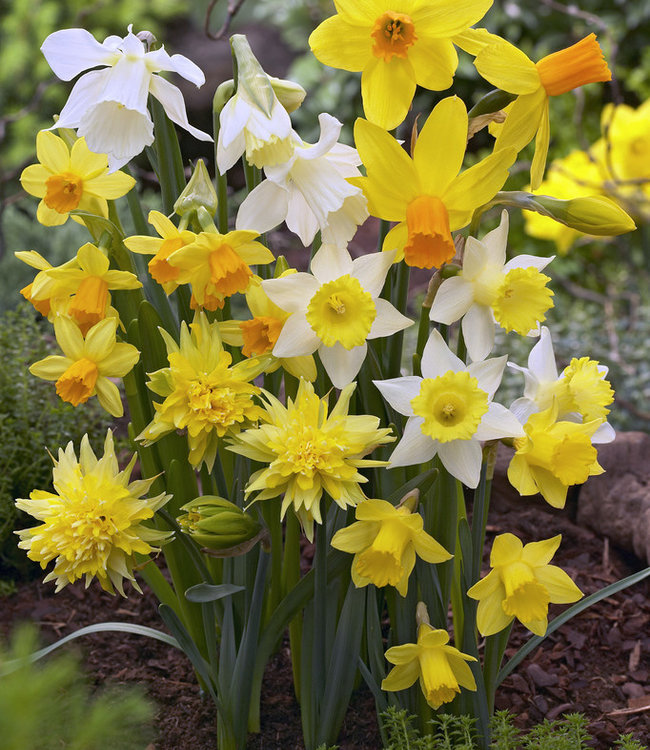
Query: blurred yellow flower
x,y
93,521
71,179
521,584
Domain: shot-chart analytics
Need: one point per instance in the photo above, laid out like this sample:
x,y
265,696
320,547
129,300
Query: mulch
x,y
598,663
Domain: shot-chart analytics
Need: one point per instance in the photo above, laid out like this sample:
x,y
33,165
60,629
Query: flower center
x,y
452,406
382,562
77,383
573,458
260,334
574,66
589,390
63,192
526,598
88,304
393,33
429,242
342,312
522,300
438,679
228,272
219,405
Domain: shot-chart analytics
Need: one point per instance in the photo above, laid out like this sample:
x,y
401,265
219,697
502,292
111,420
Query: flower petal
x,y
399,392
506,548
541,149
341,364
522,120
388,321
478,331
490,617
488,373
404,675
69,51
108,396
480,183
174,105
498,423
541,360
539,554
340,44
453,299
462,459
445,18
508,68
296,338
387,90
437,357
355,537
84,95
330,263
434,62
263,208
292,293
177,63
561,588
415,447
371,271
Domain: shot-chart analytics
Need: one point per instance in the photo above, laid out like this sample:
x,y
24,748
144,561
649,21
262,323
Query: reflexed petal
x,y
340,44
538,554
119,132
355,537
429,549
69,51
176,63
263,208
415,447
437,358
508,68
541,360
399,392
561,588
498,423
440,147
478,331
453,299
462,459
522,120
541,150
174,105
461,669
301,219
387,91
341,364
528,261
604,434
296,338
434,62
506,548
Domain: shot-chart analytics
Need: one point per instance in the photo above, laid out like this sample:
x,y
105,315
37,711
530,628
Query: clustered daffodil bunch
x,y
267,401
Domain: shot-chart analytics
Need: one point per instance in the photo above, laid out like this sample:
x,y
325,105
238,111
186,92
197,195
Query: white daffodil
x,y
488,290
109,106
335,310
310,191
450,411
580,394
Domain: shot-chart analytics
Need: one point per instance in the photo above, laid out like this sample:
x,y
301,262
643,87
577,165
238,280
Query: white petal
x,y
498,422
541,360
522,408
296,338
475,258
371,271
172,100
462,459
176,63
331,262
388,321
488,373
478,331
495,241
116,131
84,95
415,447
453,299
128,84
399,392
604,434
528,261
437,357
70,51
263,208
291,293
330,129
341,364
343,223
300,218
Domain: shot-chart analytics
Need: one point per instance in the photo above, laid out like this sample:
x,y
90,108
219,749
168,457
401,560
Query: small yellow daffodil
x,y
521,584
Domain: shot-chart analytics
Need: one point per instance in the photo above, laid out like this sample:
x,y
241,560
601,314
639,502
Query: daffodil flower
x,y
450,411
441,669
109,106
581,393
488,290
521,585
385,541
71,179
397,45
310,450
310,191
508,68
92,524
53,297
335,310
425,194
87,364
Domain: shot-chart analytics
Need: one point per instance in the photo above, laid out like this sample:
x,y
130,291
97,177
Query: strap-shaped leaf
x,y
207,592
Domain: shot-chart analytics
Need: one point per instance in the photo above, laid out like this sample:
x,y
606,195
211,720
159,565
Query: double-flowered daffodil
x,y
92,524
385,541
450,411
310,450
335,310
508,68
488,290
310,191
202,393
521,585
109,106
441,668
87,364
73,179
397,44
425,193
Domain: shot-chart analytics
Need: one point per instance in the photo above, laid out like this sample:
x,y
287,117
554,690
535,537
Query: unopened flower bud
x,y
217,524
593,214
199,192
290,94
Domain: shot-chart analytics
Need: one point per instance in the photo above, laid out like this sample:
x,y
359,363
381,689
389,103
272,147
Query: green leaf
x,y
206,592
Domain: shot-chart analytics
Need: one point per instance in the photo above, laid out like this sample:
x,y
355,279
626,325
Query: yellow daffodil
x,y
629,143
521,584
441,668
309,451
202,393
397,45
217,265
88,281
71,179
384,541
87,364
92,524
425,193
259,334
53,299
553,456
171,239
508,68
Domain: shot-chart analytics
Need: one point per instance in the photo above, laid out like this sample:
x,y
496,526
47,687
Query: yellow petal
x,y
402,654
142,244
108,396
508,68
490,617
551,488
120,361
541,150
339,44
69,338
85,162
300,367
522,120
402,676
33,179
52,152
473,41
486,586
355,537
49,217
440,147
110,186
395,240
461,669
434,62
541,553
360,12
505,549
387,90
100,339
50,368
561,588
446,18
520,477
429,549
375,510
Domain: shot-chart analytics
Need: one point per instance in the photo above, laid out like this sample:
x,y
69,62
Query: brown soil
x,y
598,663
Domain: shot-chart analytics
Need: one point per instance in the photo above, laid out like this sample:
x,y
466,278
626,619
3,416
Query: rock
x,y
616,504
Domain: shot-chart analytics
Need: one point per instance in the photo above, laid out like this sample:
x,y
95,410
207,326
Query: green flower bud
x,y
218,524
199,192
592,214
290,94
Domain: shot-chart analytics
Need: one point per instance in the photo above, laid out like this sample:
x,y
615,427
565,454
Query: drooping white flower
x,y
580,394
335,310
310,191
488,290
450,411
109,106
